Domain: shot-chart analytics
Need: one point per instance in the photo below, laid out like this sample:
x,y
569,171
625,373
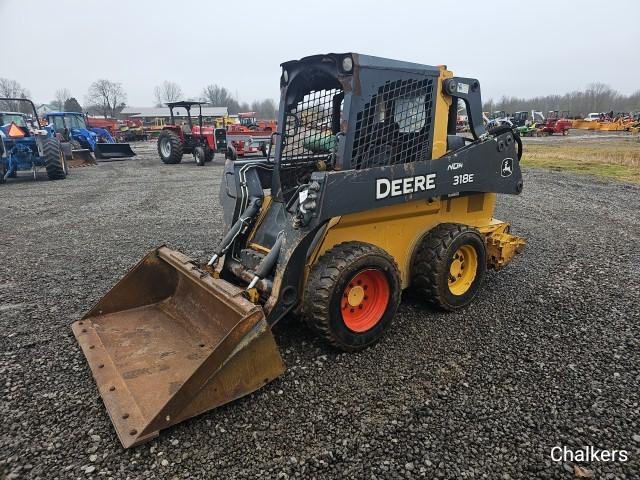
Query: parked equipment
x,y
249,136
556,122
332,233
27,147
174,140
72,127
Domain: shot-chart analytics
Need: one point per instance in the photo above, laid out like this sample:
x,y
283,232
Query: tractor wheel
x,y
199,155
352,294
231,154
55,163
208,155
449,266
169,147
75,145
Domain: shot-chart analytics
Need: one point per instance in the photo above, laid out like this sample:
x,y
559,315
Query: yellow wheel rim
x,y
463,269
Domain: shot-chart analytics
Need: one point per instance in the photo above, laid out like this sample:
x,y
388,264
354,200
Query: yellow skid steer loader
x,y
369,192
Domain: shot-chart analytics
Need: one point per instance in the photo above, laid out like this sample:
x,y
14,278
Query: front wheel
x,y
352,295
54,161
231,154
199,155
449,266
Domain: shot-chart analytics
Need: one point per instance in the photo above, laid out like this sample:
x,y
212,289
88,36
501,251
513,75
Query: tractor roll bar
x,y
35,112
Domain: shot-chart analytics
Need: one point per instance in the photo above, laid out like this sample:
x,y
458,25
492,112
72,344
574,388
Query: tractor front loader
x,y
369,192
72,127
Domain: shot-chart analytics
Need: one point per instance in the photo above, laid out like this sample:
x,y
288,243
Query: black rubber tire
x,y
432,260
175,154
231,154
199,156
75,145
55,165
208,155
326,284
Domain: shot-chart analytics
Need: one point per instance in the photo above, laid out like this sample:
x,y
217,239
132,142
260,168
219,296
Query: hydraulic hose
x,y
500,129
236,229
268,262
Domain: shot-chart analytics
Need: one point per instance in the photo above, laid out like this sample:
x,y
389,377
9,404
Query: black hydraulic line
x,y
241,224
268,262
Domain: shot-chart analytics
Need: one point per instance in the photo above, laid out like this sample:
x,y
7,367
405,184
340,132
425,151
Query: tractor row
x,y
57,142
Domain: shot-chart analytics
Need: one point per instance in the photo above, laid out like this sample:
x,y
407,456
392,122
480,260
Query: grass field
x,y
617,157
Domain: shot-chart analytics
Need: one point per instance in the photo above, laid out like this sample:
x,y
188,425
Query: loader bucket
x,y
113,150
77,158
169,342
81,158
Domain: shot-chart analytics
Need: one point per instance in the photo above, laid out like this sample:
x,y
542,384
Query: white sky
x,y
516,48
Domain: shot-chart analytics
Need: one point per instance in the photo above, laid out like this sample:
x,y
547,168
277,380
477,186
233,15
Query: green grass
x,y
617,159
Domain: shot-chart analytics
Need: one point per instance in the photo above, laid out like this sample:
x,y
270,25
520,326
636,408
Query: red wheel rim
x,y
364,300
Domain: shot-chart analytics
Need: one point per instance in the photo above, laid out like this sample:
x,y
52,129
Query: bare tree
x,y
61,96
220,97
106,98
167,92
12,89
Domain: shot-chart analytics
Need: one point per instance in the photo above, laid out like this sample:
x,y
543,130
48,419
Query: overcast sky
x,y
516,48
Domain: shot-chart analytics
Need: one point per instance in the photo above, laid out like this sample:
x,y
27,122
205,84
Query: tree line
x,y
107,98
596,98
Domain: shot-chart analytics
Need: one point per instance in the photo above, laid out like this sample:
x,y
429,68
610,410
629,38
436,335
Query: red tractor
x,y
176,140
249,136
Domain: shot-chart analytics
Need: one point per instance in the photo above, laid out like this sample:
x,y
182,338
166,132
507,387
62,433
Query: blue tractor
x,y
72,127
26,145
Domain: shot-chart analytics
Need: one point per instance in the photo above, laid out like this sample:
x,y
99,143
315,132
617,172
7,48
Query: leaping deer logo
x,y
507,167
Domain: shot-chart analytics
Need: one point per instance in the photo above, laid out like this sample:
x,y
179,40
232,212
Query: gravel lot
x,y
548,355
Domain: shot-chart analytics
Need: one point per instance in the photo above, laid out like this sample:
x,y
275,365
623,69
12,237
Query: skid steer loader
x,y
369,192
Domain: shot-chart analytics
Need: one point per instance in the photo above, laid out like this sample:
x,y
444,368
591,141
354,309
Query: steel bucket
x,y
169,342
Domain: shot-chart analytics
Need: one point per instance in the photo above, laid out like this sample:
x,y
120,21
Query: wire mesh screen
x,y
309,135
308,128
395,125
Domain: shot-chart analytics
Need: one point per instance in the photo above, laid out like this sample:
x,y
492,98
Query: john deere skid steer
x,y
369,192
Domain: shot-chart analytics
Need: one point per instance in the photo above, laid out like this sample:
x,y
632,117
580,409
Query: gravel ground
x,y
548,354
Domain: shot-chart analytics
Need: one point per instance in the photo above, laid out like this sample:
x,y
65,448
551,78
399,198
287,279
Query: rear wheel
x,y
449,266
352,294
55,164
169,147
